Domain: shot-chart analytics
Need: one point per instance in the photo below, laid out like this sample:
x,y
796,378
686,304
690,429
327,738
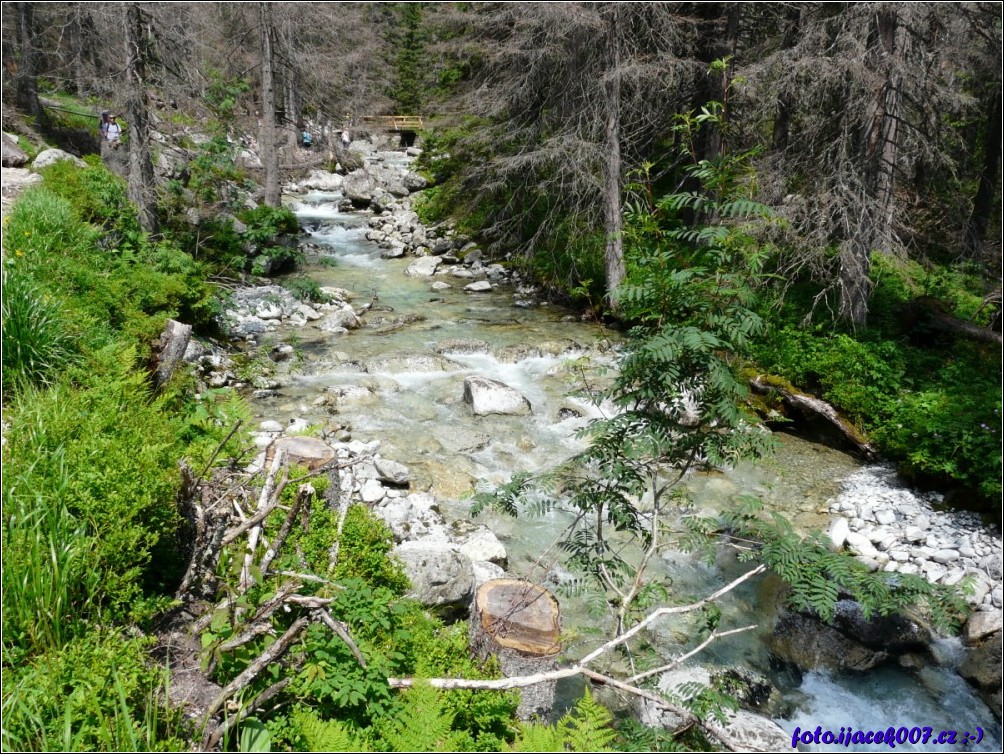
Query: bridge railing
x,y
394,122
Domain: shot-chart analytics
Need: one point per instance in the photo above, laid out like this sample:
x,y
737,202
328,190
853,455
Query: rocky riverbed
x,y
424,350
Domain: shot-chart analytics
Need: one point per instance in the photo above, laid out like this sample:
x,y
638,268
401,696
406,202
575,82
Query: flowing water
x,y
406,384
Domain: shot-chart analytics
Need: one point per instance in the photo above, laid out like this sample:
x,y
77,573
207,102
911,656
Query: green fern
x,y
325,735
423,723
588,726
534,737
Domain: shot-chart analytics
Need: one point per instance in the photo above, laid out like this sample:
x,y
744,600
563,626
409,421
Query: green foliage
x,y
97,692
325,735
265,224
129,289
366,544
107,453
306,289
423,723
36,341
588,726
817,577
98,196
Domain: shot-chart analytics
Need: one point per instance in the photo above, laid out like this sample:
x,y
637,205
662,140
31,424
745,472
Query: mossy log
x,y
814,407
518,623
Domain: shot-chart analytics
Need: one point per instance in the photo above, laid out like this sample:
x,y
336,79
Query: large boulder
x,y
487,396
441,578
13,155
322,180
422,267
343,317
358,187
413,181
51,156
896,634
808,643
982,668
748,731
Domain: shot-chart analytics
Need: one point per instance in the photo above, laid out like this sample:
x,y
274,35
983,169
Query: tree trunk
x,y
518,623
142,187
880,143
27,75
782,124
614,252
269,155
170,350
983,202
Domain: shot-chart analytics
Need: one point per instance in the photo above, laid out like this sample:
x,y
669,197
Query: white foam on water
x,y
891,697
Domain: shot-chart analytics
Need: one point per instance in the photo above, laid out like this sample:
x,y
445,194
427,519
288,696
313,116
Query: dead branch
x,y
266,658
303,495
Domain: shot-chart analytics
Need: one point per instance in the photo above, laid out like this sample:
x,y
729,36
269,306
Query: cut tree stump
x,y
519,623
169,350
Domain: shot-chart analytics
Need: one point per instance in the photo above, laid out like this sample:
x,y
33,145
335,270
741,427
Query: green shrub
x,y
95,693
104,450
97,195
36,340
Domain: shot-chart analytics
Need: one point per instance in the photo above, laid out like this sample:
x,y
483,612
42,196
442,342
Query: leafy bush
x,y
104,450
36,340
95,693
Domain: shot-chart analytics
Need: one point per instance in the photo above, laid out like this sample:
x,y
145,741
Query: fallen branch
x,y
683,658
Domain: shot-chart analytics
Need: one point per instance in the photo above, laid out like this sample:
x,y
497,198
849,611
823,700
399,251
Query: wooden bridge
x,y
393,122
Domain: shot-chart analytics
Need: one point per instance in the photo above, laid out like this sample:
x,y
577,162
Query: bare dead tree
x,y
141,184
574,97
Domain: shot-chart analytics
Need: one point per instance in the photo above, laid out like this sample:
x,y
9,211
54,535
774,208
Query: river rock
x,y
487,396
413,181
861,544
485,571
482,544
358,187
422,267
982,668
410,363
481,286
981,624
896,634
413,517
372,491
807,643
51,156
750,731
460,440
322,180
342,318
441,578
392,471
839,529
13,155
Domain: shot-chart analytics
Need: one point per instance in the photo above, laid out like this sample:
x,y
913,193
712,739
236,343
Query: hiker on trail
x,y
306,139
113,131
103,126
345,139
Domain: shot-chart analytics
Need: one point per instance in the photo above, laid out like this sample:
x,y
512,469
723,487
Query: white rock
x,y
309,313
485,571
486,396
982,623
481,286
482,544
913,534
860,544
839,529
422,267
440,285
270,426
946,556
885,516
372,491
392,471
